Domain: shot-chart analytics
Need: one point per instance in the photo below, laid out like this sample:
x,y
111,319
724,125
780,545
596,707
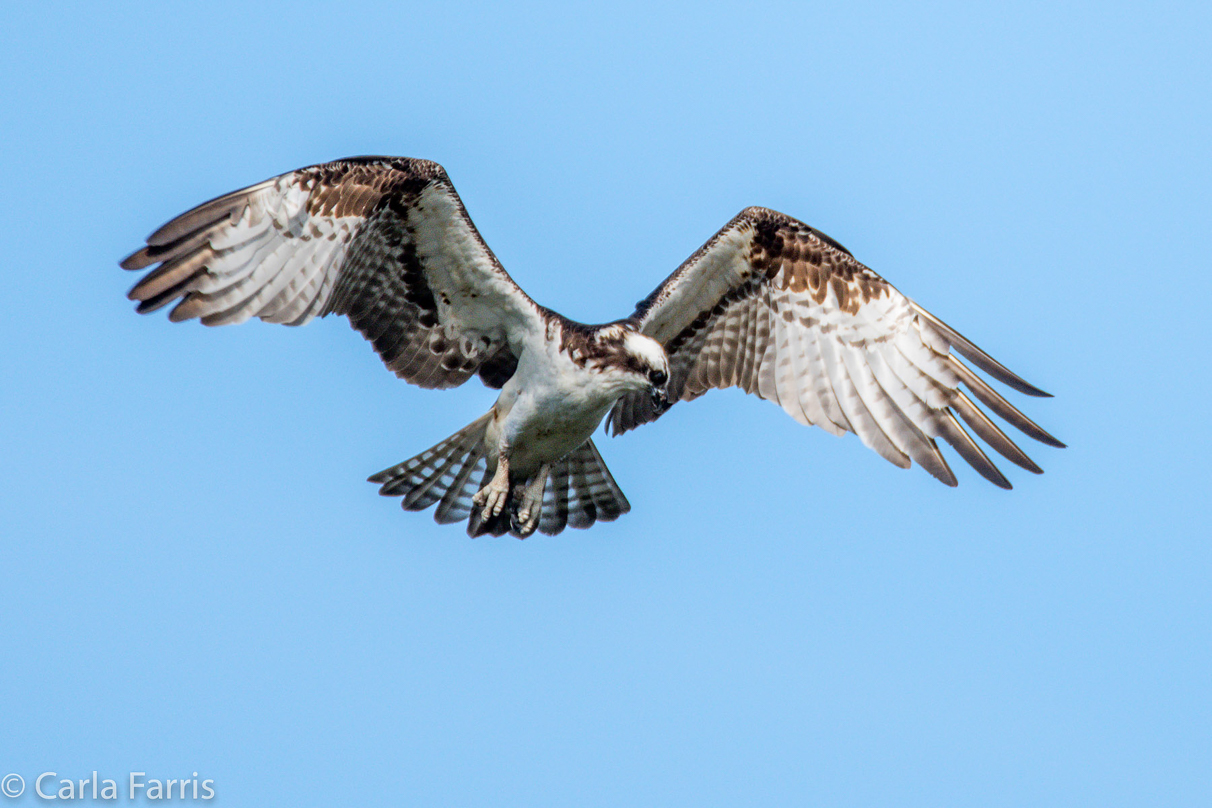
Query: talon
x,y
524,524
492,498
531,506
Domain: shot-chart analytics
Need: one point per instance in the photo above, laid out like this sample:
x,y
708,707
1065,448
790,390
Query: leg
x,y
531,506
492,496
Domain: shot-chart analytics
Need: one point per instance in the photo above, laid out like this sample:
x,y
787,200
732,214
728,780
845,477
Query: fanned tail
x,y
580,489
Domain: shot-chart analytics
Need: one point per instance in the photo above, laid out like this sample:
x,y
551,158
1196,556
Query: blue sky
x,y
197,578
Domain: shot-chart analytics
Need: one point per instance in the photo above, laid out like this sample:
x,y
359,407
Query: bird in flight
x,y
768,304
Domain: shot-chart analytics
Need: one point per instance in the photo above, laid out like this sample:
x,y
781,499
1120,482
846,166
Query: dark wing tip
x,y
139,259
962,442
1028,389
967,349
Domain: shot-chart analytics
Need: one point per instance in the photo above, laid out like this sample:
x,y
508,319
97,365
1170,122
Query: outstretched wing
x,y
384,240
779,309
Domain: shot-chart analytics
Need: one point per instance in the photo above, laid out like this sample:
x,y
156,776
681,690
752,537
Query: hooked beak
x,y
660,397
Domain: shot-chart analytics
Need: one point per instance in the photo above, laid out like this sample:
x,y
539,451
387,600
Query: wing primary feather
x,y
951,431
150,255
921,447
994,401
139,259
222,298
161,300
170,274
978,357
271,275
204,215
990,434
191,223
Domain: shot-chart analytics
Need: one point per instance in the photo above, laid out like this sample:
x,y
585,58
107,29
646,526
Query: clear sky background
x,y
194,575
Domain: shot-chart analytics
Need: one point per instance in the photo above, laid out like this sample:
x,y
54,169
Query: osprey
x,y
769,305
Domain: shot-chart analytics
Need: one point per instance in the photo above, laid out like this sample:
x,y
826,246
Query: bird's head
x,y
647,361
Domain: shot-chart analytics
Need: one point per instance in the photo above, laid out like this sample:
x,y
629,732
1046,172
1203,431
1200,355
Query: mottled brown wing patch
x,y
358,186
801,259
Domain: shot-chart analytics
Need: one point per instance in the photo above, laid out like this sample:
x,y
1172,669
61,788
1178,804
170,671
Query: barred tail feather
x,y
581,491
443,474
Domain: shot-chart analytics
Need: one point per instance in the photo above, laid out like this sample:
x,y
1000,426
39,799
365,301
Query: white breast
x,y
551,406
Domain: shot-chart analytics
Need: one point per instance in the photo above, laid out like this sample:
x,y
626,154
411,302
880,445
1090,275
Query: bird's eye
x,y
658,377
